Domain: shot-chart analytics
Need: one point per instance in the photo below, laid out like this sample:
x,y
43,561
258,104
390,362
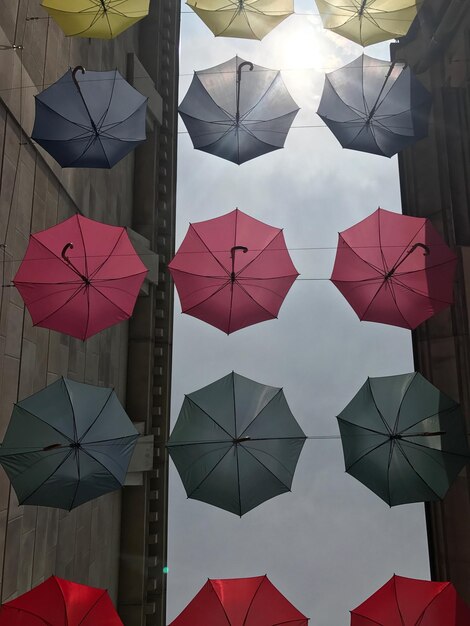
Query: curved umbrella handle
x,y
426,249
244,249
81,69
63,254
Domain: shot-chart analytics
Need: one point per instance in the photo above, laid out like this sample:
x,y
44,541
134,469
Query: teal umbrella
x,y
236,444
67,444
404,439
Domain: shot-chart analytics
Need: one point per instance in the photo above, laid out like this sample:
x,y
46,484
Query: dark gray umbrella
x,y
238,111
404,439
67,444
236,444
90,119
374,106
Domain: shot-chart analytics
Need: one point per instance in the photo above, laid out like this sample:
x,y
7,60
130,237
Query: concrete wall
x,y
35,193
435,182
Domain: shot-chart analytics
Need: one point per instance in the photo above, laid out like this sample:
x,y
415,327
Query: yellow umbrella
x,y
247,19
368,21
103,19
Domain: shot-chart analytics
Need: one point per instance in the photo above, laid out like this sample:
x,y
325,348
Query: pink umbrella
x,y
80,277
394,269
232,271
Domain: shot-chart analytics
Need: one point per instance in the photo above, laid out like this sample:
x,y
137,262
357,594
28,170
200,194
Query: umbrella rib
x,y
102,465
251,447
111,391
253,599
417,292
353,250
232,286
209,250
395,426
70,267
67,456
424,269
61,306
209,473
418,621
77,457
74,421
93,274
353,612
211,418
44,422
230,444
436,414
370,430
384,421
363,456
77,124
92,607
426,448
267,469
206,299
276,235
416,472
23,610
395,301
220,602
259,412
106,441
266,91
240,509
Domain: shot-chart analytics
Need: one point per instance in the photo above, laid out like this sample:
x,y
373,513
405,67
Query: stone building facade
x,y
117,541
435,183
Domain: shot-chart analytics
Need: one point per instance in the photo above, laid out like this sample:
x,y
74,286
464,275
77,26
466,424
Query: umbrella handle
x,y
239,80
63,254
427,252
232,254
81,69
426,249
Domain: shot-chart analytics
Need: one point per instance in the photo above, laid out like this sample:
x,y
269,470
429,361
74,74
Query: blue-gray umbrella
x,y
67,444
236,444
374,106
90,119
238,111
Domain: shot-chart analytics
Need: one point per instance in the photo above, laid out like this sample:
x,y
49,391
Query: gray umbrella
x,y
67,444
236,444
90,119
238,111
403,438
375,106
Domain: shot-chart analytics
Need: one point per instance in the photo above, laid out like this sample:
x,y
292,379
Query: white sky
x,y
330,543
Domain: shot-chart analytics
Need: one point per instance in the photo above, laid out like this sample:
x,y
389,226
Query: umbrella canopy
x,y
238,111
411,602
247,19
58,602
374,106
236,444
240,602
232,271
368,21
404,439
103,19
67,444
80,277
90,119
394,269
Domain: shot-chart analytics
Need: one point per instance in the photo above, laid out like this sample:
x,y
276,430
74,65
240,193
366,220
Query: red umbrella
x,y
80,277
232,271
58,602
394,269
240,602
410,602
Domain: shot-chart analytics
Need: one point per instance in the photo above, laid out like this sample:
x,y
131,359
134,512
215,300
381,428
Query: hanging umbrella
x,y
374,106
394,269
238,111
67,444
404,439
240,602
236,444
103,19
247,19
58,602
80,277
232,271
90,119
411,602
368,21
